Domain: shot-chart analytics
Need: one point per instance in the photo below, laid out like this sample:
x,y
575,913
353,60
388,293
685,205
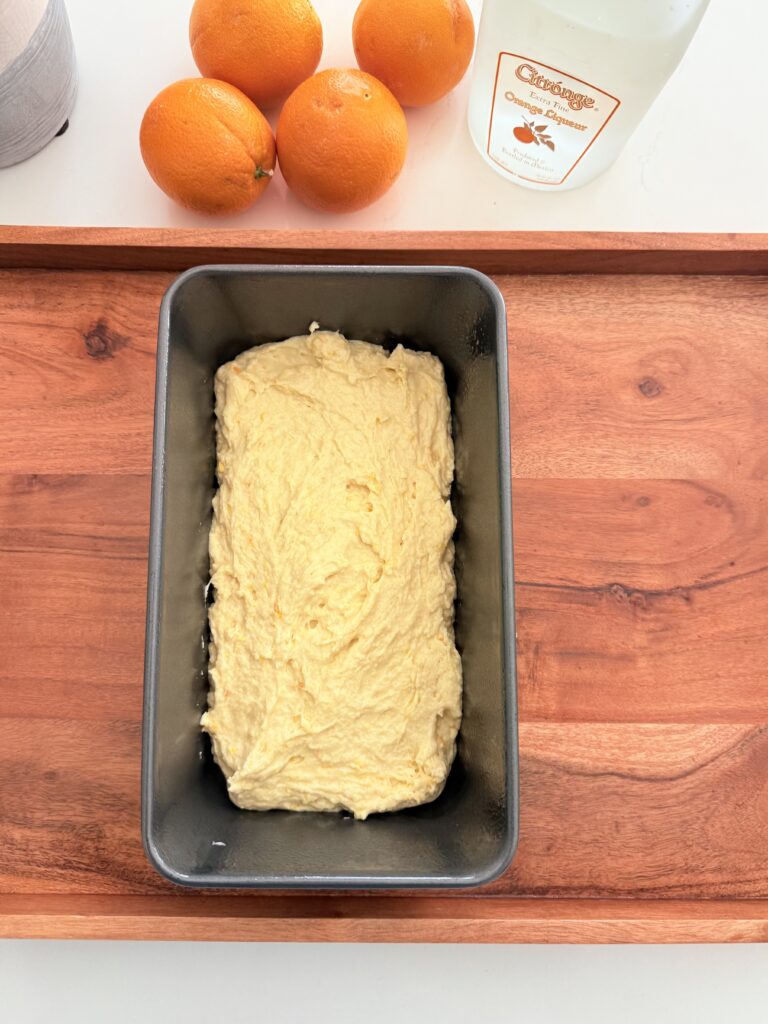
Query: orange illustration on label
x,y
533,132
529,133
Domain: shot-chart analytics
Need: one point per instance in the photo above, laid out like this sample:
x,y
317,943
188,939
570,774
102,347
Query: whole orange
x,y
341,140
264,47
207,146
420,49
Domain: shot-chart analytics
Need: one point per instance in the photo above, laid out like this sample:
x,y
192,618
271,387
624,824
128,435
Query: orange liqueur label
x,y
542,120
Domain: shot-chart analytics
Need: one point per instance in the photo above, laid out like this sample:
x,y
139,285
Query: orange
x,y
341,140
264,47
420,49
207,146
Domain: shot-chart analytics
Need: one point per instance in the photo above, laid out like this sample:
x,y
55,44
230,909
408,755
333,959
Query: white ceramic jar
x,y
37,76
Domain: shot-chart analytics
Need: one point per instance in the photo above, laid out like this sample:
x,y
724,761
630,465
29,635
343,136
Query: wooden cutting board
x,y
640,457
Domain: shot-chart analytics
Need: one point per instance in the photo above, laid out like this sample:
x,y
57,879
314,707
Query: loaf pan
x,y
192,833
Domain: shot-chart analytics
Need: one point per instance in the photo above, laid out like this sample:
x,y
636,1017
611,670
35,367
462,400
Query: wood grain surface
x,y
495,252
640,433
380,919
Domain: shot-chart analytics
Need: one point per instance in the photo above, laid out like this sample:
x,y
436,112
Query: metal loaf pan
x,y
192,833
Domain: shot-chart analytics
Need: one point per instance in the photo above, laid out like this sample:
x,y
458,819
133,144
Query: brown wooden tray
x,y
639,376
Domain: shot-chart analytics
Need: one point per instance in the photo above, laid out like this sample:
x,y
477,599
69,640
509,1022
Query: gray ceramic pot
x,y
37,76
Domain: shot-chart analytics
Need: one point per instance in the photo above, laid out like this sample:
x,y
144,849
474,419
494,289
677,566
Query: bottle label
x,y
542,120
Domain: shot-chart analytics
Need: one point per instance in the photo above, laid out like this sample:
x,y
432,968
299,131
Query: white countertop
x,y
237,983
697,163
